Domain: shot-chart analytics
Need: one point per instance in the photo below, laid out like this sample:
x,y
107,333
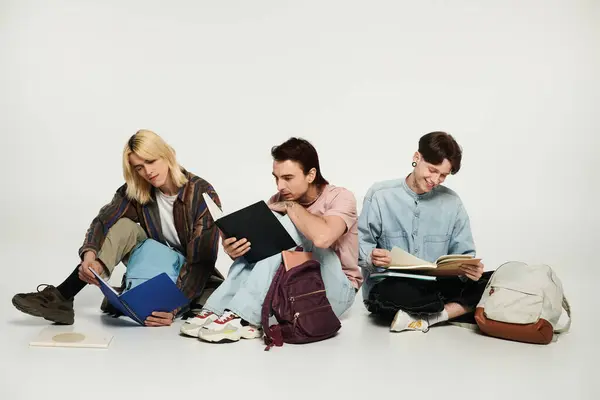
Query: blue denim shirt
x,y
428,226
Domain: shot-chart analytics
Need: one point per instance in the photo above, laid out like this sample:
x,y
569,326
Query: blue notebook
x,y
156,294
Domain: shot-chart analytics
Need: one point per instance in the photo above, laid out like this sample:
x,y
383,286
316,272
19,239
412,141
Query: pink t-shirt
x,y
341,202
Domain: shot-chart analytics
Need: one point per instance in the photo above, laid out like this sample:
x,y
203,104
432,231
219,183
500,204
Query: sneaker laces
x,y
203,313
44,293
191,316
226,317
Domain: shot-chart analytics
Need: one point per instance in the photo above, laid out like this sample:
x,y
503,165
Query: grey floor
x,y
364,361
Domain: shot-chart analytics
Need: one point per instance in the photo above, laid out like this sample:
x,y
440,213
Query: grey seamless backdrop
x,y
514,81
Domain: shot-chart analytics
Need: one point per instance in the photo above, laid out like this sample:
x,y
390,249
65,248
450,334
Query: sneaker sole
x,y
192,332
59,319
228,337
25,309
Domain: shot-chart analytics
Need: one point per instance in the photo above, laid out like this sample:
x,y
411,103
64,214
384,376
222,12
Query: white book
x,y
56,336
213,208
445,265
402,275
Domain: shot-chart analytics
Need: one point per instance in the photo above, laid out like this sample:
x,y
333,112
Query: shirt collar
x,y
183,191
413,194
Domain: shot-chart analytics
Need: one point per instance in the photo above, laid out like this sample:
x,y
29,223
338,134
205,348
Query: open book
x,y
156,294
257,224
448,265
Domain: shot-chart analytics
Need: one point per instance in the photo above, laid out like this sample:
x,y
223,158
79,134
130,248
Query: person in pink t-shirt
x,y
319,216
331,201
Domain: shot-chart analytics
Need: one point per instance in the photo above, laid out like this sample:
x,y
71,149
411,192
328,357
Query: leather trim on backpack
x,y
540,332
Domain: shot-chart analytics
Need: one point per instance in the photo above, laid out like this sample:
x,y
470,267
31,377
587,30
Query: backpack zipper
x,y
297,314
293,298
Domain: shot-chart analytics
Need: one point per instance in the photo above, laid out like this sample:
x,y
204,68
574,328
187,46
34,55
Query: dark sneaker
x,y
48,304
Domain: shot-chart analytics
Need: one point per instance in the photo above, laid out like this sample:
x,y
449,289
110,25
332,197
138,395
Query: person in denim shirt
x,y
428,220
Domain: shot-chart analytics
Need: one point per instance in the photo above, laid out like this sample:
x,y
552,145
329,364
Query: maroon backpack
x,y
297,300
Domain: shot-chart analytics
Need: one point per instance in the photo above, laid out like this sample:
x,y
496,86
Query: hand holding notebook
x,y
257,224
235,247
448,265
157,294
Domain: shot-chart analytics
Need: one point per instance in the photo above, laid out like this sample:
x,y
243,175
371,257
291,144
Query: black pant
x,y
421,297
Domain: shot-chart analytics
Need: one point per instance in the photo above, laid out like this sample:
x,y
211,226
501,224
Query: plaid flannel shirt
x,y
195,227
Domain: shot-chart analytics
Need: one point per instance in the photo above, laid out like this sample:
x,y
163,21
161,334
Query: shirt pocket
x,y
396,239
435,246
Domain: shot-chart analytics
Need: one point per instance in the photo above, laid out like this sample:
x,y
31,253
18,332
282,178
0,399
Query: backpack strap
x,y
273,335
567,308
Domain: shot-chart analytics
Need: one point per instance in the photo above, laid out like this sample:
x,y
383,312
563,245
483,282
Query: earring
x,y
414,163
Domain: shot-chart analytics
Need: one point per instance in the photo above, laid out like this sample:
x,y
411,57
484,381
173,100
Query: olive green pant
x,y
121,238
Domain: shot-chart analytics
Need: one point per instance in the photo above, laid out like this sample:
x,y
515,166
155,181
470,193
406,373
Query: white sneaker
x,y
193,326
404,322
229,328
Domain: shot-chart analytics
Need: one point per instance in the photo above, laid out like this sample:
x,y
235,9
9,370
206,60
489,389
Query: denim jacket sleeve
x,y
461,240
369,230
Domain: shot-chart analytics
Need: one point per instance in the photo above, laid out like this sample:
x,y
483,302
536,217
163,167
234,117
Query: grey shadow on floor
x,y
121,321
33,321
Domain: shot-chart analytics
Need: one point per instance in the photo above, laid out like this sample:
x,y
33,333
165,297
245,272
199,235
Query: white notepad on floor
x,y
55,336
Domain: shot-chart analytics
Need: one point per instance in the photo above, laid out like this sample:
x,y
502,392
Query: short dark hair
x,y
302,152
437,146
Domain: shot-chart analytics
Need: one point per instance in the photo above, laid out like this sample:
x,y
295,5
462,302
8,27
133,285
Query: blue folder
x,y
156,294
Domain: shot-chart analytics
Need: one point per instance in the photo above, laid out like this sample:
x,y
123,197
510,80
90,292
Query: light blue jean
x,y
245,288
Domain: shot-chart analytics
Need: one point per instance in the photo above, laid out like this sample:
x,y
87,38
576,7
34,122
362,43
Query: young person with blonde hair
x,y
160,200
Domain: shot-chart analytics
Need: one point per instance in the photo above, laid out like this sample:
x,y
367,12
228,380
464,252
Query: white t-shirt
x,y
165,209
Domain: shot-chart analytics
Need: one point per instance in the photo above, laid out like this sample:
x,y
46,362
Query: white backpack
x,y
523,302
